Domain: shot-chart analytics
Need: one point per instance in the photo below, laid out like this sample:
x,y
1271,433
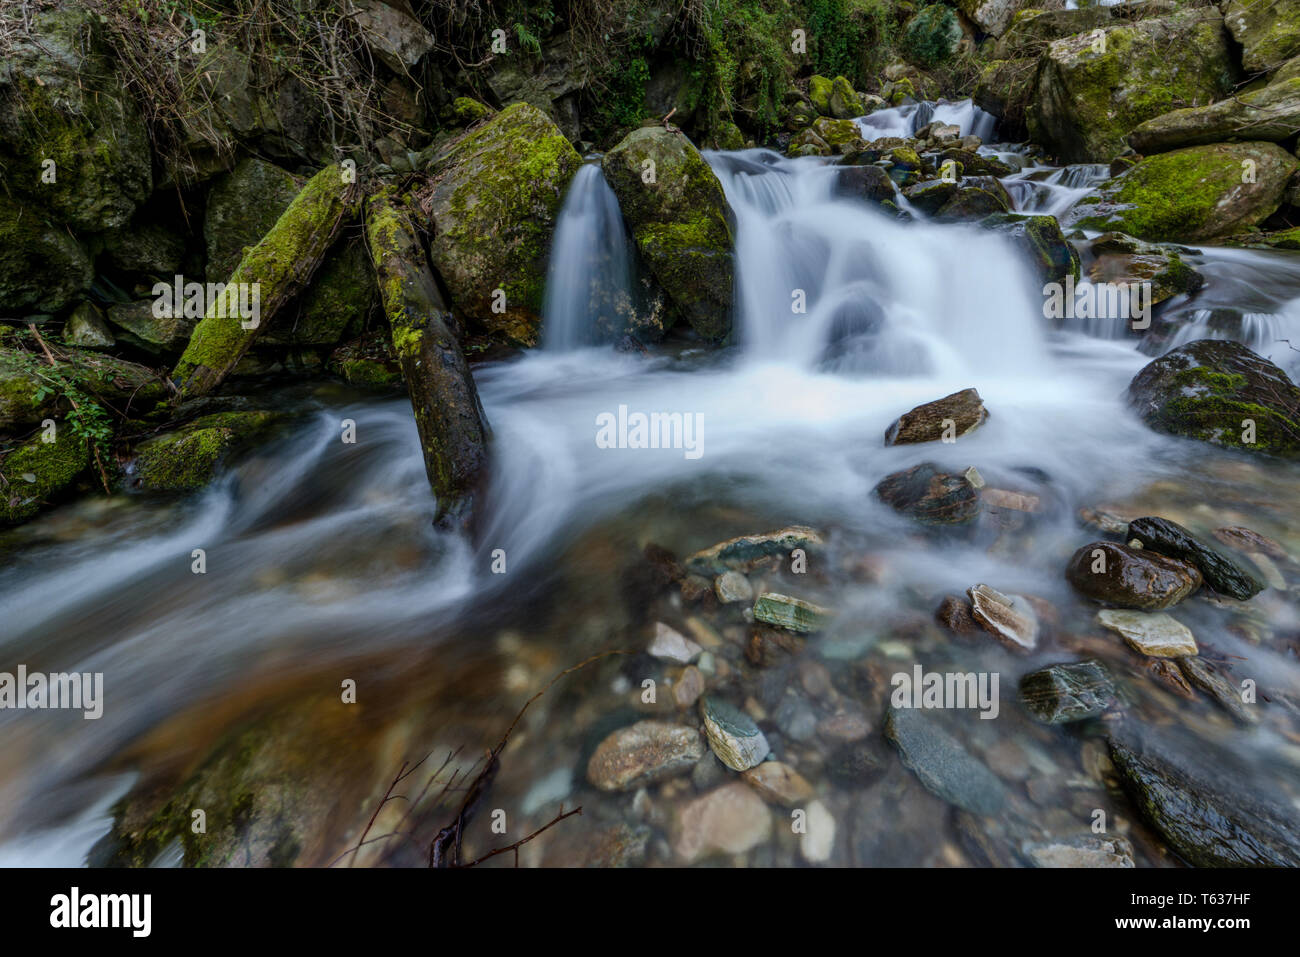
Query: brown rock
x,y
1131,577
644,753
947,418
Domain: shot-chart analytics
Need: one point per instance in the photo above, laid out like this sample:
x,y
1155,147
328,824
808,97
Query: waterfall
x,y
905,120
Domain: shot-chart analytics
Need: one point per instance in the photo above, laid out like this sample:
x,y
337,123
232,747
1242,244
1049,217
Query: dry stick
x,y
520,843
103,475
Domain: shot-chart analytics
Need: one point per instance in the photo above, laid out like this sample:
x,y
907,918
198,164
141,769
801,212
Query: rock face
x,y
242,207
1210,807
1220,392
930,496
644,753
1093,88
41,266
1065,693
1192,194
1131,577
1271,114
942,764
1219,571
679,218
991,16
1155,634
1269,32
869,183
1040,240
950,417
733,735
492,202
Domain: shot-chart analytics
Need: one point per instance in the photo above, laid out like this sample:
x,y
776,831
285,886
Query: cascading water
x,y
319,551
905,120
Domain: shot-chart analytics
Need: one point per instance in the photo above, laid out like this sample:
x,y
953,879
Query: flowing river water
x,y
322,565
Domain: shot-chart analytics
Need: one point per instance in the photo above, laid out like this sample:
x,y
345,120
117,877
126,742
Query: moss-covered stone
x,y
465,110
187,459
1123,259
128,387
1093,88
1268,31
41,266
680,221
242,207
931,36
819,92
1220,392
1040,239
34,473
492,202
845,104
341,296
1191,195
1271,113
138,325
1005,88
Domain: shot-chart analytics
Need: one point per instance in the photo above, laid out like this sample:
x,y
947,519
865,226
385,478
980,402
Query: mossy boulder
x,y
137,324
72,137
145,247
819,92
85,327
1220,392
1122,259
1031,30
680,221
842,136
492,201
932,36
1271,113
1191,195
1094,88
1005,89
337,302
188,458
34,473
1040,240
845,104
1268,31
41,266
464,111
28,396
242,207
991,16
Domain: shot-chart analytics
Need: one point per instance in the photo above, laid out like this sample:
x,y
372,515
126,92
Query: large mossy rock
x,y
27,397
932,36
1040,240
1220,392
242,207
1268,31
679,218
1093,88
42,268
1005,89
991,16
1271,113
60,101
34,474
1191,195
187,459
492,202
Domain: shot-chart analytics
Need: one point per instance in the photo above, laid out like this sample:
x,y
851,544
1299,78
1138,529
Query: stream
x,y
322,565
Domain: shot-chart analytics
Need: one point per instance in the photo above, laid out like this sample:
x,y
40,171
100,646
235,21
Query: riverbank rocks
x,y
1093,88
1191,195
644,753
942,764
792,614
1219,571
1151,633
1123,259
1040,240
733,735
1064,693
779,784
730,819
868,183
947,419
1131,577
1087,850
492,200
187,459
41,266
25,400
1211,806
1220,392
671,645
930,496
1268,31
37,472
747,552
1008,618
1271,113
679,218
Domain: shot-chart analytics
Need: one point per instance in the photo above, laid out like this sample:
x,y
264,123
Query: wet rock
x,y
1247,540
138,326
942,764
978,198
854,765
669,644
1040,239
779,783
930,496
188,458
733,587
950,417
1166,673
1219,571
748,552
733,735
954,613
664,563
973,163
818,841
708,773
1088,850
731,819
1220,392
1206,676
644,753
1208,804
1002,499
688,688
1268,32
847,727
1064,693
1131,577
1123,259
1155,634
1009,618
866,182
769,646
86,328
792,614
1271,113
1088,96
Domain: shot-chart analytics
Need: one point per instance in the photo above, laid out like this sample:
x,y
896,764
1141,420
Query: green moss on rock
x,y
188,458
33,474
